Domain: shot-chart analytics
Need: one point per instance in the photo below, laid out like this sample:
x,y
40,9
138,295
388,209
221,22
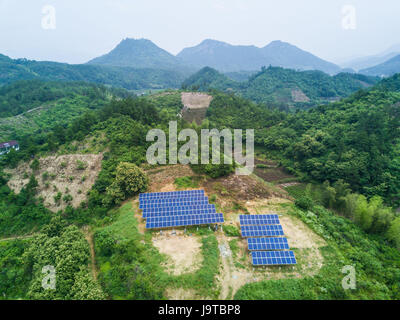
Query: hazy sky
x,y
85,29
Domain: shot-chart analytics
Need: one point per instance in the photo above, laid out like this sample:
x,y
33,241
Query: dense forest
x,y
12,70
283,88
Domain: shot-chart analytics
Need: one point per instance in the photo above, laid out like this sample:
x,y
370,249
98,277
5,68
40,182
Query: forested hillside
x,y
284,88
34,106
129,78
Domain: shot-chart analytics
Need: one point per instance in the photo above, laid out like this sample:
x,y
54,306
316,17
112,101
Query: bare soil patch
x,y
195,106
182,294
162,179
299,96
62,175
184,252
196,100
299,235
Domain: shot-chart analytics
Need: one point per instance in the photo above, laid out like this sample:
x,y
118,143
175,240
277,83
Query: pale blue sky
x,y
88,28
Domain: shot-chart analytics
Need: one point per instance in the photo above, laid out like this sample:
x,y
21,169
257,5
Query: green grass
x,y
187,182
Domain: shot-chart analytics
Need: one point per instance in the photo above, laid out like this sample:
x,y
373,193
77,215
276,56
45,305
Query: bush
x,y
80,165
35,165
304,203
231,231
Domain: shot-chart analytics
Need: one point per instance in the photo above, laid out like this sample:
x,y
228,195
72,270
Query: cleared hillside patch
x,y
62,180
195,106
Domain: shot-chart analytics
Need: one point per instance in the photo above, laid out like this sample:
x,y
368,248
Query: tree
x,y
393,233
129,180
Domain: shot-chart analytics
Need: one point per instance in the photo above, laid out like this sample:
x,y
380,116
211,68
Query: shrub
x,y
57,197
45,176
231,231
35,165
304,203
67,198
80,165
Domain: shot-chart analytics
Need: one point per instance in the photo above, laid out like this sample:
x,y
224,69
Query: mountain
x,y
370,61
139,53
385,69
373,60
283,87
12,70
230,58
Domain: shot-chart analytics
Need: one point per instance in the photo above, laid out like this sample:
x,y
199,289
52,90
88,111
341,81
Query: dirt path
x,y
18,237
227,265
89,238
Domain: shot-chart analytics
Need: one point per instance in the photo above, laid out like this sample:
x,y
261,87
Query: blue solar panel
x,y
266,244
185,220
158,195
262,231
268,258
175,203
179,210
261,219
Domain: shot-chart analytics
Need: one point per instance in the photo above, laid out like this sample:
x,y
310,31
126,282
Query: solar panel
x,y
159,200
262,231
260,219
180,210
172,194
175,203
266,244
183,220
268,258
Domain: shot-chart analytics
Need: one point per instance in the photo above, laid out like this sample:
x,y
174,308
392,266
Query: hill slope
x,y
284,87
129,78
32,106
385,69
228,58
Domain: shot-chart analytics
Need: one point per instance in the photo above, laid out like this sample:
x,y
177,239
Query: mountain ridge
x,y
385,69
219,55
230,58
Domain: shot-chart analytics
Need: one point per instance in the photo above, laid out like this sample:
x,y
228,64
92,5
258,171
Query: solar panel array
x,y
262,231
170,194
172,202
200,209
261,219
265,244
265,240
260,258
184,220
178,208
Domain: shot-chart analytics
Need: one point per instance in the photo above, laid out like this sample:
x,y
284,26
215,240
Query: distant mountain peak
x,y
232,58
138,53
